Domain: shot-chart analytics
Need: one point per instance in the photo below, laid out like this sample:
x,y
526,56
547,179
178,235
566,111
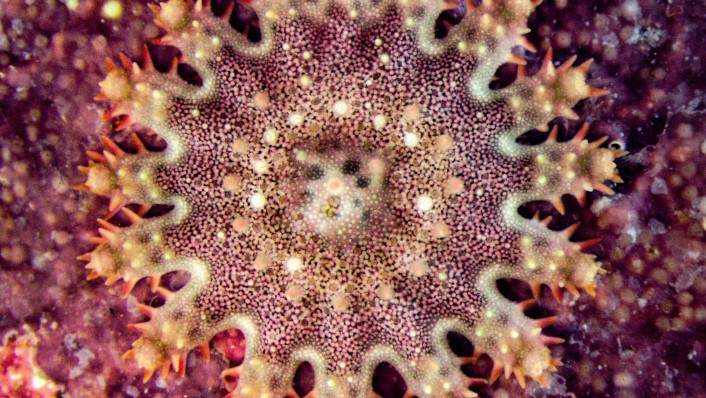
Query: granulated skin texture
x,y
390,224
332,203
611,346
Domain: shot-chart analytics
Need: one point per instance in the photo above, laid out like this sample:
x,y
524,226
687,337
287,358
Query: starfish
x,y
343,189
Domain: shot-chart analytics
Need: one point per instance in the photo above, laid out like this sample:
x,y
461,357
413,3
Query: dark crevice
x,y
219,6
538,312
573,212
188,74
158,210
155,300
243,18
480,369
448,19
175,280
532,137
504,76
556,331
459,344
231,344
163,56
304,379
121,220
388,382
246,21
514,289
507,73
543,208
566,130
150,140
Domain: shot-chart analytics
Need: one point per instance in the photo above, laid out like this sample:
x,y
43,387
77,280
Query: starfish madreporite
x,y
344,192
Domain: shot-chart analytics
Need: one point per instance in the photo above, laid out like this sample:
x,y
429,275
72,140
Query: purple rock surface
x,y
644,334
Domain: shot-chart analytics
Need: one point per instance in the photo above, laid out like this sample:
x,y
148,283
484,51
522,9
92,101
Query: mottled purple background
x,y
643,335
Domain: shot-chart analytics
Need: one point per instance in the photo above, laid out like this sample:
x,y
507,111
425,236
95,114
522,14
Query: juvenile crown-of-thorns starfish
x,y
345,192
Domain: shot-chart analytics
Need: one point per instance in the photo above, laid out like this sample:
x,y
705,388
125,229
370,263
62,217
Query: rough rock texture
x,y
642,334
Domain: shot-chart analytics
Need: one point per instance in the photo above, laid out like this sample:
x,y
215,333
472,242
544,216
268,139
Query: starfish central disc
x,y
356,200
340,194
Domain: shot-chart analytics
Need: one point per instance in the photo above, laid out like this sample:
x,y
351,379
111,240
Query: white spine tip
x,y
425,203
257,201
411,140
293,264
